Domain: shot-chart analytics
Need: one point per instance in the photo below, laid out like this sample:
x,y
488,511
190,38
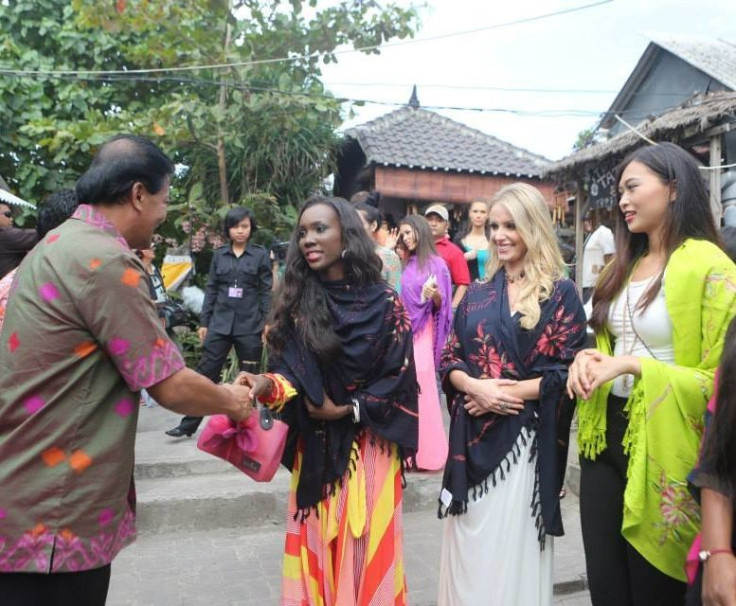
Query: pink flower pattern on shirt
x,y
106,343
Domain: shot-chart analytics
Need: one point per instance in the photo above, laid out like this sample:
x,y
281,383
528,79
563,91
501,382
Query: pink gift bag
x,y
255,446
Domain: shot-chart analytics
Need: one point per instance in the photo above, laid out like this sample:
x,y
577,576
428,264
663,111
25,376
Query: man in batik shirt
x,y
81,338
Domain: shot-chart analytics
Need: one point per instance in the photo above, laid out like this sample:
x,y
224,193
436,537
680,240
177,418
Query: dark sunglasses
x,y
7,213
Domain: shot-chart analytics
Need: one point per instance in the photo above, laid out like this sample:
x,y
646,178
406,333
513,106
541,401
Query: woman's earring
x,y
344,253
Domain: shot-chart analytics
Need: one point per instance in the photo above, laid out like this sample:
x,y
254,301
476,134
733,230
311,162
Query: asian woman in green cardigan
x,y
660,313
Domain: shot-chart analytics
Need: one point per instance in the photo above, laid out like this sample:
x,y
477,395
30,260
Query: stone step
x,y
232,500
181,488
159,456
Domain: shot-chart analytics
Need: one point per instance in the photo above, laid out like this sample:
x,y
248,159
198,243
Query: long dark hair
x,y
469,227
425,248
300,305
688,216
720,444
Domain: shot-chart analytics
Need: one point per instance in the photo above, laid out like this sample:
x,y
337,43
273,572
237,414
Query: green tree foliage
x,y
586,138
258,132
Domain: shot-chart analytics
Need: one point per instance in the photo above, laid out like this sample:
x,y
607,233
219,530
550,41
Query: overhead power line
x,y
509,89
217,66
134,78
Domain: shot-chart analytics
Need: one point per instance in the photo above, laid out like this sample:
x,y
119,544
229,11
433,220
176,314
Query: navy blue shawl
x,y
376,367
487,342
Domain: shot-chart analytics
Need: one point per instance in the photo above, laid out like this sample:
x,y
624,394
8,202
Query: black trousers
x,y
215,349
85,588
617,574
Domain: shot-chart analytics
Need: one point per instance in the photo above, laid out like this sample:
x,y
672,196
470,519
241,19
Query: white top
x,y
653,326
598,244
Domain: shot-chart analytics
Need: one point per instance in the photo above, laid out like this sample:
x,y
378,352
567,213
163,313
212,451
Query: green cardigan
x,y
666,407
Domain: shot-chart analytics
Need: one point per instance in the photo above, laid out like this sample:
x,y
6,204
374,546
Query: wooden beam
x,y
691,136
579,234
440,186
715,179
721,129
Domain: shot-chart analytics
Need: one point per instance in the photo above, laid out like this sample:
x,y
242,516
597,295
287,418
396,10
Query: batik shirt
x,y
81,338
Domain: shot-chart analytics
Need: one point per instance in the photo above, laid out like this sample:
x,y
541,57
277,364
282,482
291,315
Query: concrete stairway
x,y
195,505
180,487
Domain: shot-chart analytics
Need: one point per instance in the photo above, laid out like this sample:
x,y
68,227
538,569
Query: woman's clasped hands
x,y
491,395
591,369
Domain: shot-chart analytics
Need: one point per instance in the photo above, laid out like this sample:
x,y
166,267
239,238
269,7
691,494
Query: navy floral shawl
x,y
376,367
487,342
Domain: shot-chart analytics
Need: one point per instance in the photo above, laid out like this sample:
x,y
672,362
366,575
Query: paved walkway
x,y
243,568
240,565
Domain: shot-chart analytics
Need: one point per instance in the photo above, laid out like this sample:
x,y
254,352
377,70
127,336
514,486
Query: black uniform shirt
x,y
248,275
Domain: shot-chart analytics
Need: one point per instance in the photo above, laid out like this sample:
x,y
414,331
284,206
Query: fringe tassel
x,y
636,410
406,463
302,514
456,508
536,504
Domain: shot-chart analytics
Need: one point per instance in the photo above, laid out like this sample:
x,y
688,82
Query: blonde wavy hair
x,y
543,263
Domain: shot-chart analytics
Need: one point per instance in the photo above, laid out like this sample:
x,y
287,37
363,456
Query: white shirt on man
x,y
598,244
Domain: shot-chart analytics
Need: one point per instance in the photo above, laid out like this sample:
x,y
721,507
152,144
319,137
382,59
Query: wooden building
x,y
414,157
681,91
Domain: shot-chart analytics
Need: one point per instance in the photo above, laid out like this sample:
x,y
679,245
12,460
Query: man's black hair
x,y
120,163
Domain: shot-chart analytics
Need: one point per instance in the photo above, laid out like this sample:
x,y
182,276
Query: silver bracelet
x,y
356,410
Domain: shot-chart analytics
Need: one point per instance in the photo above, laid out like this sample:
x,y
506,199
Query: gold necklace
x,y
511,278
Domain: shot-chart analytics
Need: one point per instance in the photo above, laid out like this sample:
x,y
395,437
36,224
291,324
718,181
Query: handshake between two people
x,y
249,388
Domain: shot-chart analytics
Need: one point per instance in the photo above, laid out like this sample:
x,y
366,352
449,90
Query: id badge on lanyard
x,y
233,292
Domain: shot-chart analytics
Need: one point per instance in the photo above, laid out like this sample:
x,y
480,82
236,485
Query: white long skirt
x,y
491,554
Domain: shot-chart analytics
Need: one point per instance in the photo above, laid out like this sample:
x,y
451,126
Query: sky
x,y
563,71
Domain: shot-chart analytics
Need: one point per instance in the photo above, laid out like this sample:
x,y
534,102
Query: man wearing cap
x,y
438,218
14,242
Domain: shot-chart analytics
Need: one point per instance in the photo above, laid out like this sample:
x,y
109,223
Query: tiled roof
x,y
714,56
416,138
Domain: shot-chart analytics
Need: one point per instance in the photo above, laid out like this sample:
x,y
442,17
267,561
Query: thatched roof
x,y
697,115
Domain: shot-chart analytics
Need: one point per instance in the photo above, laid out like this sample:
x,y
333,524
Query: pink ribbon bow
x,y
244,436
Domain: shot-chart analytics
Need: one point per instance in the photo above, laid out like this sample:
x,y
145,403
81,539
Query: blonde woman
x,y
504,370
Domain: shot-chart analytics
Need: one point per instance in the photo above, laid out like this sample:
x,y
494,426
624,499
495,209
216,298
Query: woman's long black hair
x,y
720,444
425,248
688,216
300,305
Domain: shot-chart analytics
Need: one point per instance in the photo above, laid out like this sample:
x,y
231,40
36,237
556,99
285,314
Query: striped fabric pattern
x,y
349,552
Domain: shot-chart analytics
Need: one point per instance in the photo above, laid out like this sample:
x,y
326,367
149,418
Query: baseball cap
x,y
438,209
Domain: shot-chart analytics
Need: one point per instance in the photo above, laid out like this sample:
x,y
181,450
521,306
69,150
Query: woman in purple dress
x,y
426,291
